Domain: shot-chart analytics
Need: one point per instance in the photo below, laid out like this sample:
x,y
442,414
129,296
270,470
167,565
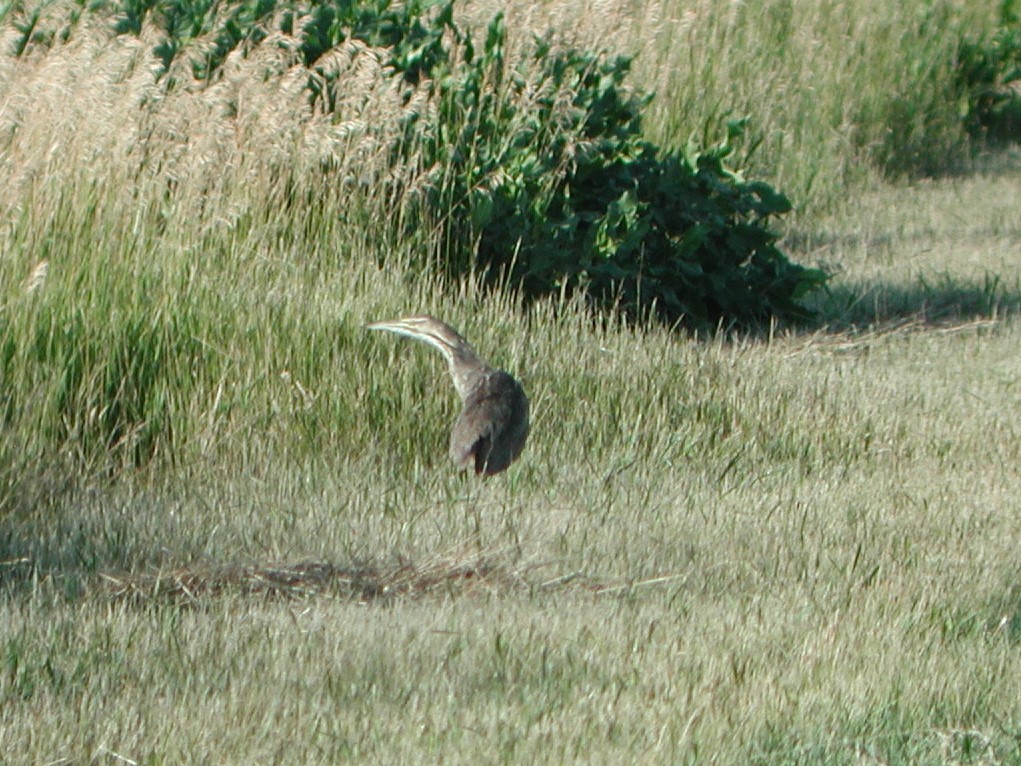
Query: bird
x,y
491,430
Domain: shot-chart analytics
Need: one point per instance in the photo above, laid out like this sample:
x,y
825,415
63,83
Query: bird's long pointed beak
x,y
390,326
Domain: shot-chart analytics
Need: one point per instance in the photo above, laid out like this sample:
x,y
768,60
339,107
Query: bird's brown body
x,y
491,430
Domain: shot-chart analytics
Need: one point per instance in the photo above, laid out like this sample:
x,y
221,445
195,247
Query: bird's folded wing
x,y
488,412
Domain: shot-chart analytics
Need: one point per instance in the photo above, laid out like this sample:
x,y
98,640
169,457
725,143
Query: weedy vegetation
x,y
756,264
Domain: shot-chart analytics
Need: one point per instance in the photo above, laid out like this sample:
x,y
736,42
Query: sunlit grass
x,y
840,94
229,531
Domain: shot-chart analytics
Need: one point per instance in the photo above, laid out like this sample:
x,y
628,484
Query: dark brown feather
x,y
493,424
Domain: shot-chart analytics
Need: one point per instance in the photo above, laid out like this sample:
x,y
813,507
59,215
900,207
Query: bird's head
x,y
429,330
460,357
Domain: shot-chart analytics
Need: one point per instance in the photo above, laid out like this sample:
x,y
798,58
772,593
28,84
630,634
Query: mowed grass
x,y
229,532
801,549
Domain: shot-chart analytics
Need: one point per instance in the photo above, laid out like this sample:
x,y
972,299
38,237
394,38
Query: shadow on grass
x,y
371,583
98,552
940,302
76,545
49,530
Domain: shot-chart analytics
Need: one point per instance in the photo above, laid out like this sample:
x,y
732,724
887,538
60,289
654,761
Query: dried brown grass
x,y
95,104
457,574
362,584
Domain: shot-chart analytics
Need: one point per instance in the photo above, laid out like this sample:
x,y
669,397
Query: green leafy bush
x,y
537,172
545,167
413,36
989,74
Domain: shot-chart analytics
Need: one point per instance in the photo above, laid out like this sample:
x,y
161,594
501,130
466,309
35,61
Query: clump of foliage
x,y
562,191
989,74
539,169
413,36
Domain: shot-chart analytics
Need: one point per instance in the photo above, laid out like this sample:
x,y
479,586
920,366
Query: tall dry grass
x,y
841,95
94,104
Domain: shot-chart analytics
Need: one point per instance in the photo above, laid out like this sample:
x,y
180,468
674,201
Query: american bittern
x,y
493,424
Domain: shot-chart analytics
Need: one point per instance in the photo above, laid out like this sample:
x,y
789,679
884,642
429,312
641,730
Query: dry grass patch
x,y
363,584
467,575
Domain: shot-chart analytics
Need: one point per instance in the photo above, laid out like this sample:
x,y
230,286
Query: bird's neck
x,y
465,369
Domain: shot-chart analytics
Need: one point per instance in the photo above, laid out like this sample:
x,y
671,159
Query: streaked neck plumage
x,y
466,366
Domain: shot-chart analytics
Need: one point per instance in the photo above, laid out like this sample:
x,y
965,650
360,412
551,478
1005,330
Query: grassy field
x,y
229,532
838,93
